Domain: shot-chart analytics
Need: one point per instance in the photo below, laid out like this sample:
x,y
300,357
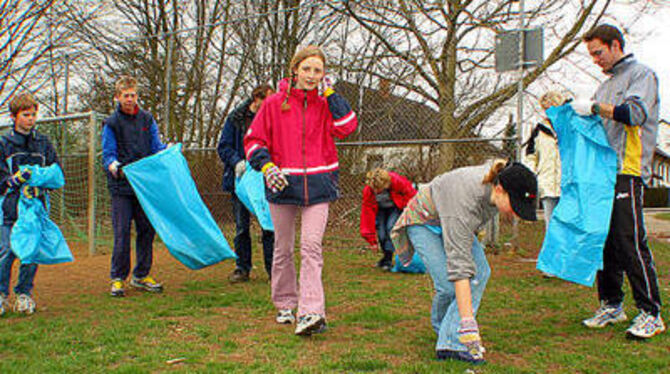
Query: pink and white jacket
x,y
300,141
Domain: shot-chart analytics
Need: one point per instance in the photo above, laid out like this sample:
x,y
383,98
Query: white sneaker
x,y
645,326
605,315
285,316
4,305
309,323
24,304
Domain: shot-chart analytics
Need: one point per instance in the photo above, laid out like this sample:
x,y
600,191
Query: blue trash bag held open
x,y
574,241
35,239
168,195
416,266
250,189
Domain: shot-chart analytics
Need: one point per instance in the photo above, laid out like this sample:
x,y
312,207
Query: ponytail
x,y
492,176
285,105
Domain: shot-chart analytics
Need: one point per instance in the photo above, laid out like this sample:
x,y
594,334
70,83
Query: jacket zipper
x,y
304,161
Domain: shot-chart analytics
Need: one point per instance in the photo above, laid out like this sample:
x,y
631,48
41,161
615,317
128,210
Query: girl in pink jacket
x,y
291,140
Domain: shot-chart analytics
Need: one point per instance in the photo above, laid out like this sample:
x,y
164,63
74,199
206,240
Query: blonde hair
x,y
22,101
300,56
124,83
492,176
378,179
552,98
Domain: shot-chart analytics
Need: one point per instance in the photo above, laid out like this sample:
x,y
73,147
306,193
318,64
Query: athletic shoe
x,y
117,288
147,284
24,304
4,304
447,354
239,276
285,316
605,315
645,326
308,324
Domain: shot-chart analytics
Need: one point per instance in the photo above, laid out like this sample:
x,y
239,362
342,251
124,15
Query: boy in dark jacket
x,y
129,134
23,145
231,152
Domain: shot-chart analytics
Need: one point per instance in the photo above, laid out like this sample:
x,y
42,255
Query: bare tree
x,y
442,51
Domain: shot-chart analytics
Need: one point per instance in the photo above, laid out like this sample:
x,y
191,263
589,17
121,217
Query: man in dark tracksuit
x,y
628,103
231,152
128,135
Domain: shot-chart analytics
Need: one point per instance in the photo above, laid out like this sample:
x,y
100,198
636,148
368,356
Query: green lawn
x,y
378,322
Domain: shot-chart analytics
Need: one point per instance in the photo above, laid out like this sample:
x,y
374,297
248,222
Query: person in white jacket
x,y
544,159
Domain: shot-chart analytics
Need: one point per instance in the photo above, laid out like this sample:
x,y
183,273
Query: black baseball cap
x,y
521,185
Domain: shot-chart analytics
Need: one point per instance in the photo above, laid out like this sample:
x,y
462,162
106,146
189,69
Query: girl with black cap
x,y
440,224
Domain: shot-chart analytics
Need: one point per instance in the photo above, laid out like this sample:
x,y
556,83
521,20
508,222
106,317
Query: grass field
x,y
379,322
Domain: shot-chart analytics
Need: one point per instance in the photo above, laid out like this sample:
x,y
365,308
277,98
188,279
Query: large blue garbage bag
x,y
167,193
250,189
574,241
35,239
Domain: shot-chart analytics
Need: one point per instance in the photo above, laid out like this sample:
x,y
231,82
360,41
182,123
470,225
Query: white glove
x,y
114,168
240,168
583,107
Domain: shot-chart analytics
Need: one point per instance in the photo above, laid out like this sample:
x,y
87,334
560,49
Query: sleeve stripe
x,y
251,150
346,120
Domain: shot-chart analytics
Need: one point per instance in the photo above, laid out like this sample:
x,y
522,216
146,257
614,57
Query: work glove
x,y
240,168
115,169
468,335
583,107
328,83
274,179
30,192
19,178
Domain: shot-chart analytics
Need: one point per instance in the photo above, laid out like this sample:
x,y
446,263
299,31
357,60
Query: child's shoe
x,y
285,316
24,304
117,288
447,354
4,304
147,284
605,315
309,323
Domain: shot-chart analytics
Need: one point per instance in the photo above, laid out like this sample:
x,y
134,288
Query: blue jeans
x,y
385,220
242,239
26,271
548,204
444,313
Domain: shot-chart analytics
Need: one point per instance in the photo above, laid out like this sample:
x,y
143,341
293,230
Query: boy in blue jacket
x,y
23,145
231,152
129,134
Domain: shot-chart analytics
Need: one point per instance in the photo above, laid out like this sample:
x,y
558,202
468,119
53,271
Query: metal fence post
x,y
92,148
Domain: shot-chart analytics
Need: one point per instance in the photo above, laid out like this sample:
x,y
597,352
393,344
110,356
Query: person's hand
x,y
468,335
240,168
274,179
328,83
583,107
19,178
373,247
30,192
114,168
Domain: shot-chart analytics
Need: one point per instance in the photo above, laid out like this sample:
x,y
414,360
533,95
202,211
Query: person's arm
x,y
641,95
256,141
109,147
5,173
368,215
345,120
226,149
156,144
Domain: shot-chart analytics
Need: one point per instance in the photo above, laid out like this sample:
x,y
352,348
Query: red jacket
x,y
301,142
401,191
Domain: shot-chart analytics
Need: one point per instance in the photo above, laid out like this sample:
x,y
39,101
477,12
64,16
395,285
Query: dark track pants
x,y
626,250
124,210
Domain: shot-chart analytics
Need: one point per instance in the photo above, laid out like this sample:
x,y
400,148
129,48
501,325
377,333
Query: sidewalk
x,y
657,228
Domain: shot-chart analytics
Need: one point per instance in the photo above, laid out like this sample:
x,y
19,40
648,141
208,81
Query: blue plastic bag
x,y
35,239
250,189
168,195
416,266
574,241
